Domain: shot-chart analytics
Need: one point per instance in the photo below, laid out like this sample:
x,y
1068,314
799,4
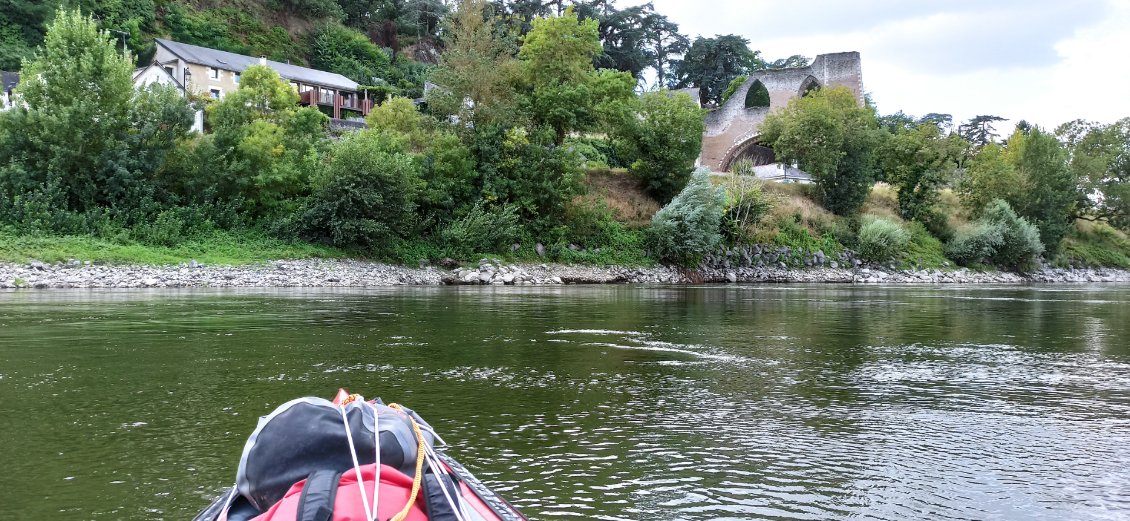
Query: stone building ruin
x,y
732,130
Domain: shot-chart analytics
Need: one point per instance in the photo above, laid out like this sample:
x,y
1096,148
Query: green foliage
x,y
348,52
483,230
364,194
990,175
664,140
315,8
233,30
999,237
831,137
85,141
924,249
917,161
733,87
712,63
1051,188
477,65
757,96
801,241
216,247
1098,245
526,169
689,226
881,240
746,202
1100,161
564,91
266,145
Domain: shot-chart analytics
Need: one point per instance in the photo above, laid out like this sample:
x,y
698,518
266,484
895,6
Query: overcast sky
x,y
1047,61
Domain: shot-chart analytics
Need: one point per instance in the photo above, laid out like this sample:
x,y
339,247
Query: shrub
x,y
746,203
365,193
1020,247
483,230
689,226
882,240
976,244
999,237
665,139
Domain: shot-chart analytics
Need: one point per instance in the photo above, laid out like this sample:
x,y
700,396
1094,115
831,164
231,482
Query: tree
x,y
990,175
21,29
979,130
689,226
70,137
335,48
564,91
1050,188
917,162
712,63
831,137
792,62
477,71
268,144
1100,161
664,44
364,192
663,139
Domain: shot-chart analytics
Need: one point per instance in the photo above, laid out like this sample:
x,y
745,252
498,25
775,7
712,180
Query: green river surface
x,y
618,402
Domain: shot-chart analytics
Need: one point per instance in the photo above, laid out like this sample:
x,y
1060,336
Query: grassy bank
x,y
232,248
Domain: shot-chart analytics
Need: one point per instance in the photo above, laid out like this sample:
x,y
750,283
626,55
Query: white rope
x,y
376,458
357,466
441,470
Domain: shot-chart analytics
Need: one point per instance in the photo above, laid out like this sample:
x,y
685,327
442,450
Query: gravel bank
x,y
336,273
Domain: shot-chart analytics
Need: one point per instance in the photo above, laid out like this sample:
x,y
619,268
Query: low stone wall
x,y
334,273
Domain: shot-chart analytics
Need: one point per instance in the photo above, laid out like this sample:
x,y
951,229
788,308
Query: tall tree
x,y
477,71
831,137
712,63
1051,189
979,130
664,44
917,161
1100,161
564,90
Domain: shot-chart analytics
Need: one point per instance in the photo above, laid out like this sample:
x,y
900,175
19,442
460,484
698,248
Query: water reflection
x,y
769,402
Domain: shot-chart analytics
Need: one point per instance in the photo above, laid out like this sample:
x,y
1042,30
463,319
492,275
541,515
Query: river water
x,y
758,402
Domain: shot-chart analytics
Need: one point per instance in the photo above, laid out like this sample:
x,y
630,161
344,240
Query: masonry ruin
x,y
732,130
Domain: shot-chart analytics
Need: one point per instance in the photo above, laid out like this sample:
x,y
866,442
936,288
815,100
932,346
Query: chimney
x,y
262,60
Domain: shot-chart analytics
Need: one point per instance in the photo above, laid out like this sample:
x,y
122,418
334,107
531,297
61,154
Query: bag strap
x,y
317,500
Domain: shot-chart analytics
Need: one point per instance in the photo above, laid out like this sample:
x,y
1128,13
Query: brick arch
x,y
750,146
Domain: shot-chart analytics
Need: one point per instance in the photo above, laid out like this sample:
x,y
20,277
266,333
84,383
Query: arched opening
x,y
808,85
753,150
758,96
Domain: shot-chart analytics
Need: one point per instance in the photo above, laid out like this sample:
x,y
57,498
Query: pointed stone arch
x,y
751,148
808,85
757,96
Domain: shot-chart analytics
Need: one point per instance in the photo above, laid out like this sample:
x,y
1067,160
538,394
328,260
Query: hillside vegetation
x,y
541,142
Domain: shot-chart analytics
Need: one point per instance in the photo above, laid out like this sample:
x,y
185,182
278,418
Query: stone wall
x,y
733,127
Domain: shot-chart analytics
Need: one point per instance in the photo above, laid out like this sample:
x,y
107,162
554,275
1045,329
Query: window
x,y
213,73
169,70
215,93
235,77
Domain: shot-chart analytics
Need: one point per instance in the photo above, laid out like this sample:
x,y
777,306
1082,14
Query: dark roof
x,y
237,62
9,80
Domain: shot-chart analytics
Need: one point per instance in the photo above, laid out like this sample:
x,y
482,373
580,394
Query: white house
x,y
155,73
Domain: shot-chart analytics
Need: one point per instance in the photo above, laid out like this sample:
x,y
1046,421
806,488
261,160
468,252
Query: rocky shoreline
x,y
315,273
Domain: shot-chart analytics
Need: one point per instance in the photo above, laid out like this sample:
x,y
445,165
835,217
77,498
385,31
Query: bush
x,y
365,193
882,240
746,203
483,230
689,226
999,237
1020,247
664,140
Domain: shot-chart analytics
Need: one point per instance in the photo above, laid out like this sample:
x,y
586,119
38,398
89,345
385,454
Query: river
x,y
617,402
